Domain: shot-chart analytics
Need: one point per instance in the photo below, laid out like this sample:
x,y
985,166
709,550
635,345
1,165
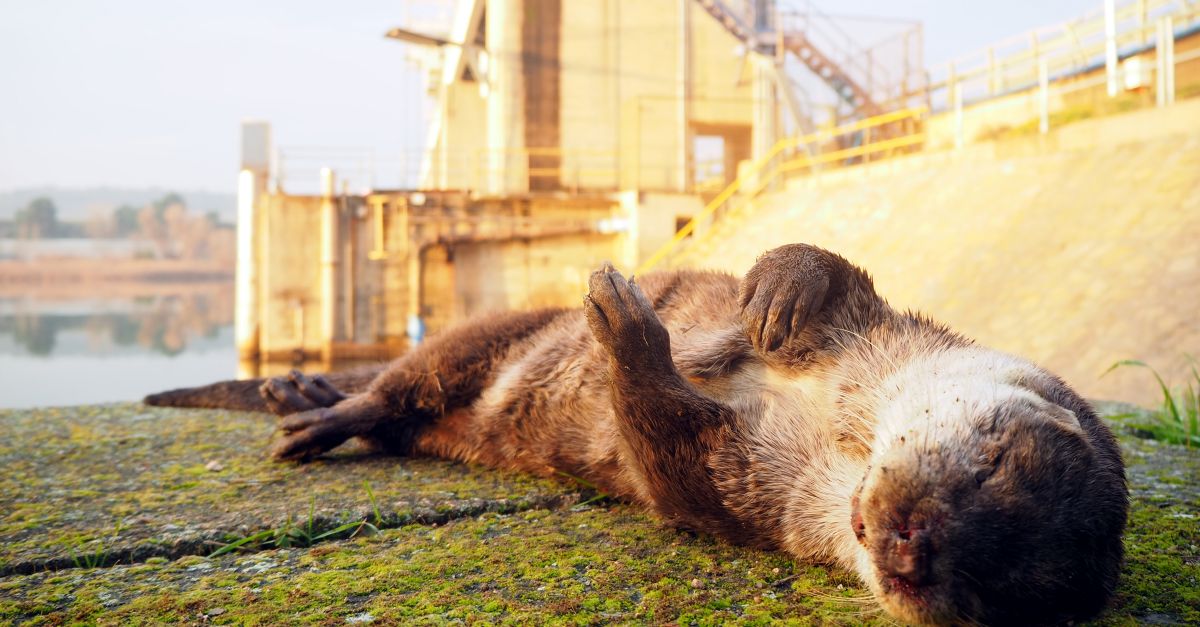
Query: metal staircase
x,y
734,23
834,75
809,35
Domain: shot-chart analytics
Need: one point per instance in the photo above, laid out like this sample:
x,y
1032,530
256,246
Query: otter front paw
x,y
783,292
623,320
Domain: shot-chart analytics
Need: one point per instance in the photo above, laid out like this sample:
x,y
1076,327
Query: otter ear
x,y
1063,418
1054,392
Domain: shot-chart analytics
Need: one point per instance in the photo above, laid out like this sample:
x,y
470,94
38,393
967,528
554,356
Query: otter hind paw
x,y
308,434
298,392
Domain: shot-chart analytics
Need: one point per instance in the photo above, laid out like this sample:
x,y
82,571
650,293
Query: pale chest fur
x,y
803,452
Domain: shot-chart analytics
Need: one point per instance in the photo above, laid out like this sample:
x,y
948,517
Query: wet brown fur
x,y
668,391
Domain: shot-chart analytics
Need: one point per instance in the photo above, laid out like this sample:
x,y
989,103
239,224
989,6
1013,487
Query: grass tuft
x,y
292,535
600,497
97,558
374,503
1177,422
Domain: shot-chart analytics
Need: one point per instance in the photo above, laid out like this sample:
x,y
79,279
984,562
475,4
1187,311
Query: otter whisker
x,y
859,601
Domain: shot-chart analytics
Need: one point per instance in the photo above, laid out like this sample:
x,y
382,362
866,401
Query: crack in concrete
x,y
206,543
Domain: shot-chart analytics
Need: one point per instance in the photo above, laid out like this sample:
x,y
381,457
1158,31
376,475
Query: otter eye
x,y
982,475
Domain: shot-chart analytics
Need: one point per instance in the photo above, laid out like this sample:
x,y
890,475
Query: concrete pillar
x,y
951,81
506,164
1164,62
1110,46
414,325
245,301
956,99
1043,97
257,152
330,260
993,88
765,132
252,183
684,93
1142,14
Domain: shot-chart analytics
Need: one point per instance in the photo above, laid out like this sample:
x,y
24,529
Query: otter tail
x,y
240,395
243,395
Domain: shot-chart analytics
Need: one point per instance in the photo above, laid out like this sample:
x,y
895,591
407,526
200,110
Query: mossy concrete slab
x,y
599,565
594,564
122,483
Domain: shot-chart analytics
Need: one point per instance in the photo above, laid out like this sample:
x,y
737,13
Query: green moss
x,y
588,567
592,565
144,470
1162,572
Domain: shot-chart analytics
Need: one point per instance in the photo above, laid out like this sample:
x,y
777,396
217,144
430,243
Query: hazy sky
x,y
137,93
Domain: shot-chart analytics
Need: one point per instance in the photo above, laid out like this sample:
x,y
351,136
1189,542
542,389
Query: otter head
x,y
989,501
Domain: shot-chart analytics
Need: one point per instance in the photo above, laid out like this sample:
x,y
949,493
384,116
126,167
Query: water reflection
x,y
113,344
166,324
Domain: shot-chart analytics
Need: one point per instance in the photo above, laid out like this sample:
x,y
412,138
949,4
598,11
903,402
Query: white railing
x,y
1097,40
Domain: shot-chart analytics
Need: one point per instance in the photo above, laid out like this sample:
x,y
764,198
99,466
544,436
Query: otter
x,y
794,410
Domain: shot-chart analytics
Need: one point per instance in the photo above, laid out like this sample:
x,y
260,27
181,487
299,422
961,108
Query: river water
x,y
113,345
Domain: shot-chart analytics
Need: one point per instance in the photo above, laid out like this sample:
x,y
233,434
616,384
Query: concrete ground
x,y
108,515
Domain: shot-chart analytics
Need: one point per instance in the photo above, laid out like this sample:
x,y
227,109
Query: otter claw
x,y
623,320
309,434
782,294
298,392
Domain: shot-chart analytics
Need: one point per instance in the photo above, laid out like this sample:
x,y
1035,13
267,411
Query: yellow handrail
x,y
790,142
853,151
799,162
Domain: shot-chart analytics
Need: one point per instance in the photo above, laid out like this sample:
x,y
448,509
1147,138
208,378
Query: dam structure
x,y
699,133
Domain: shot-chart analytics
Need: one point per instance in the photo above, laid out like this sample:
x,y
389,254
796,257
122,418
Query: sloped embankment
x,y
1076,249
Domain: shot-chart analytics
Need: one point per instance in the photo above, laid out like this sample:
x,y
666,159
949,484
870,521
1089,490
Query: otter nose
x,y
908,557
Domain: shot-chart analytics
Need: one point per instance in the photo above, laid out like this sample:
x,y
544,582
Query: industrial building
x,y
565,133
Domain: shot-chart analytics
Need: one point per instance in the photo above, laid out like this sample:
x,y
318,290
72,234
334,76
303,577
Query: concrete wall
x,y
1076,249
650,127
590,96
443,257
468,280
653,220
465,162
598,83
541,28
460,281
289,279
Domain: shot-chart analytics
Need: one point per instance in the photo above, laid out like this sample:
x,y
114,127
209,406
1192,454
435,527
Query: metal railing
x,y
787,156
1098,41
1094,41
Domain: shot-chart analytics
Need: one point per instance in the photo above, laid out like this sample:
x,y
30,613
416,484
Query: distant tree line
x,y
39,220
174,231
